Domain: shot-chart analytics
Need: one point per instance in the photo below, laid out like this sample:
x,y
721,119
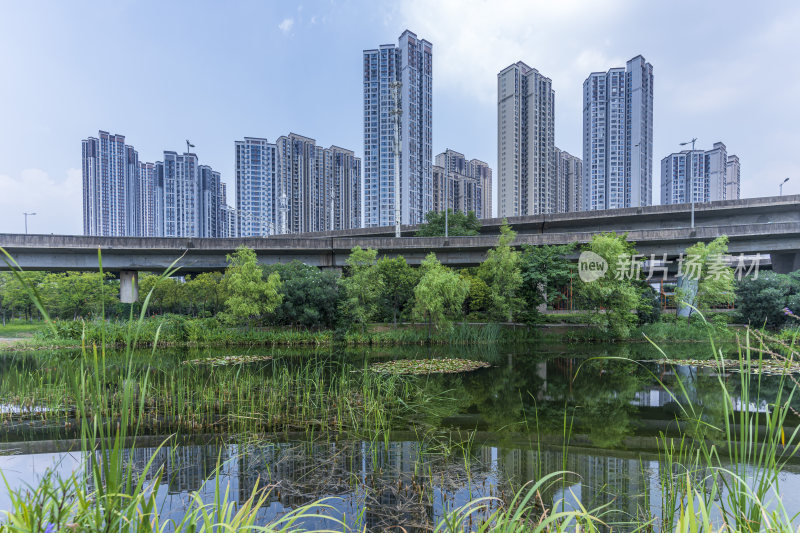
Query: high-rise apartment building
x,y
525,142
106,185
406,69
699,176
569,182
123,196
462,185
618,137
295,186
733,178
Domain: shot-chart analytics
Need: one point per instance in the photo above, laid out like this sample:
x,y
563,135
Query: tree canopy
x,y
363,286
440,293
458,224
501,272
250,296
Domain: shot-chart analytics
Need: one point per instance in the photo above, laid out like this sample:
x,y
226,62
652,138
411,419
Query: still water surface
x,y
493,430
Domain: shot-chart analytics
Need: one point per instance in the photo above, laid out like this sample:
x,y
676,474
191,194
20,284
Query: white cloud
x,y
486,37
58,204
286,25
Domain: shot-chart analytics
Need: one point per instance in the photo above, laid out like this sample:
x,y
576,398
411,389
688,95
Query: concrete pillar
x,y
785,263
128,286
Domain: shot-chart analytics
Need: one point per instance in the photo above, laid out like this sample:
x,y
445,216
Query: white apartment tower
x,y
699,176
462,185
407,69
295,186
525,142
618,137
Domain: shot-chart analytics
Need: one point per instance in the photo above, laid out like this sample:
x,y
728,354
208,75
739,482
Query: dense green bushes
x,y
761,300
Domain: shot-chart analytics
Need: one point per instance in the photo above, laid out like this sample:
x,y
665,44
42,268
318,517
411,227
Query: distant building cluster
x,y
122,196
292,185
699,176
462,185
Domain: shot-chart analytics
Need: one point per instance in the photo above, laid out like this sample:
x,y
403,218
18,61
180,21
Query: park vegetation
x,y
301,304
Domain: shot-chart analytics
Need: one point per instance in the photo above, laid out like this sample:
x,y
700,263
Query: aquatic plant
x,y
428,366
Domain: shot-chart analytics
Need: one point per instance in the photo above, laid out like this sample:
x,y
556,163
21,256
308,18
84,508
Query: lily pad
x,y
765,366
428,366
229,360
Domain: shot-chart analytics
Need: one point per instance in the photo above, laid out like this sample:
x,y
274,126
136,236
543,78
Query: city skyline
x,y
57,100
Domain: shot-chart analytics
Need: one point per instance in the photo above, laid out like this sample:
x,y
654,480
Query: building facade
x,y
462,185
107,187
295,186
733,178
569,182
525,142
618,137
407,70
697,175
123,196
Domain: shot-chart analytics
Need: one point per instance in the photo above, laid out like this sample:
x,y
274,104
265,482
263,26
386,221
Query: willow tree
x,y
502,272
249,295
439,296
362,285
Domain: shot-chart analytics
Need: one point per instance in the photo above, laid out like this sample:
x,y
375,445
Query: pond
x,y
390,450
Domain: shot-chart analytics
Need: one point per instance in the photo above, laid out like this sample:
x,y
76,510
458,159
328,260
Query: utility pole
x,y
691,176
31,214
397,112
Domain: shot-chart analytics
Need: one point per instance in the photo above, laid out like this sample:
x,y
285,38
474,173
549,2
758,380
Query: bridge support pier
x,y
128,286
785,263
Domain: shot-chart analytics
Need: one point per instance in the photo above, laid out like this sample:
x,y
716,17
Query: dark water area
x,y
592,410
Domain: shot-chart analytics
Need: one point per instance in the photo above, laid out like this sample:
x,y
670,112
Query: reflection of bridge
x,y
760,225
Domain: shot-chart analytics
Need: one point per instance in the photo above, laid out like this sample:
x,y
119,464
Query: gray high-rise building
x,y
618,137
733,178
525,142
698,175
295,186
123,196
408,64
462,185
569,182
107,190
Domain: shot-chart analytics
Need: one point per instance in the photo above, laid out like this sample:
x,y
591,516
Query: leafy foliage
x,y
458,224
363,286
250,296
502,273
310,296
546,270
440,293
761,300
615,296
705,265
399,280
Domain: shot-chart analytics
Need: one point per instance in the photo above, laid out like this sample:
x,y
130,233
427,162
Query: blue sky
x,y
214,72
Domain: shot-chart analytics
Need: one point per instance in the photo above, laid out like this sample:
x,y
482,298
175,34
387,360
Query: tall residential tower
x,y
618,137
525,142
406,69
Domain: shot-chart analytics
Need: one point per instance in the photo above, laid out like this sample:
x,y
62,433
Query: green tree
x,y
310,295
711,281
167,293
363,286
760,300
399,280
250,296
616,295
77,294
206,292
439,295
458,224
479,296
546,270
14,295
502,273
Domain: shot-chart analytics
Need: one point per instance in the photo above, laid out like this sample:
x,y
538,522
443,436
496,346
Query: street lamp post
x,y
397,111
691,177
31,214
780,187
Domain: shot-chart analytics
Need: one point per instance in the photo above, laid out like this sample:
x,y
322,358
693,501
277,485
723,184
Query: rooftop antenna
x,y
188,146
